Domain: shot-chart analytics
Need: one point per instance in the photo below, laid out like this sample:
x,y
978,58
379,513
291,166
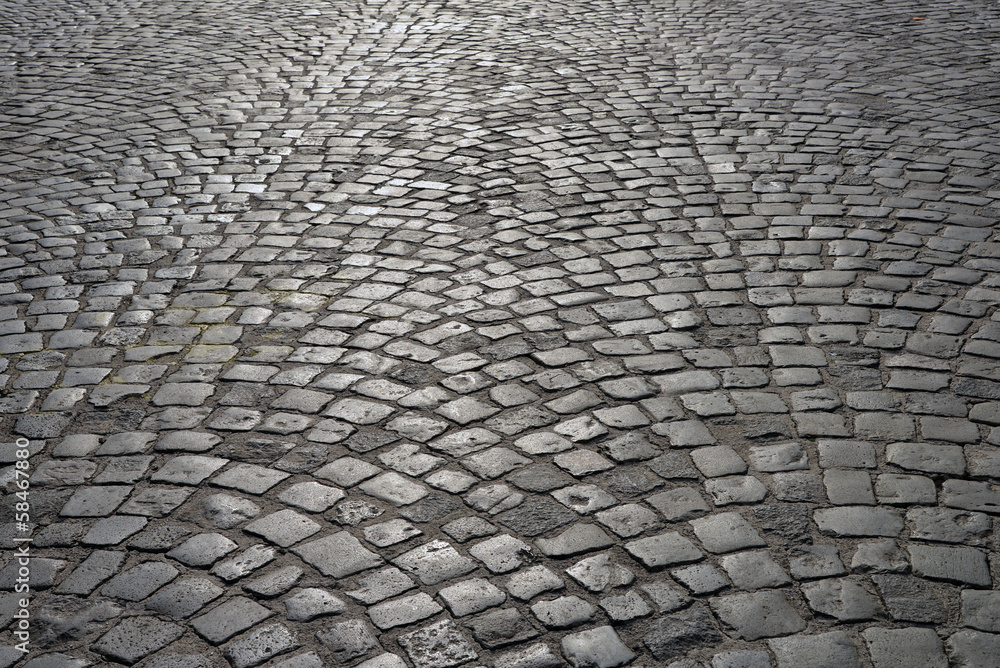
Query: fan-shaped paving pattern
x,y
505,334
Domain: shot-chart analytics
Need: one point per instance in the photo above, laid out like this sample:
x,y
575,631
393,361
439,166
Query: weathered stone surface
x,y
136,638
758,615
971,649
234,616
908,646
859,521
664,550
965,565
400,612
262,644
338,555
600,648
434,562
677,634
587,309
844,599
439,645
825,650
348,640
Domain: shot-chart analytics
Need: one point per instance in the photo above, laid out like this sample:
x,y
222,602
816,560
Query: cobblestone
x,y
533,336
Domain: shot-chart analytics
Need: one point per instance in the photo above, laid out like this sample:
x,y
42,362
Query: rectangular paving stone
x,y
137,637
338,555
403,611
965,565
663,550
234,616
92,571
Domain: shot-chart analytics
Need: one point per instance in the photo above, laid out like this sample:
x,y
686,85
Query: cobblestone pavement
x,y
505,333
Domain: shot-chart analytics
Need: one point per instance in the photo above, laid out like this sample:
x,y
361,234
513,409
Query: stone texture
x,y
654,316
600,647
907,646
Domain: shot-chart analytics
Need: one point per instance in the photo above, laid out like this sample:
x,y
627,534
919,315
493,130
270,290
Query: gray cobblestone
x,y
290,295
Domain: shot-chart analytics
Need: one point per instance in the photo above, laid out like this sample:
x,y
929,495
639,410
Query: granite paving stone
x,y
758,615
440,645
203,549
92,571
844,599
971,648
244,563
672,636
261,645
272,583
563,612
910,646
338,555
911,599
184,598
530,582
136,638
471,596
832,649
434,562
348,640
138,582
677,322
500,628
234,616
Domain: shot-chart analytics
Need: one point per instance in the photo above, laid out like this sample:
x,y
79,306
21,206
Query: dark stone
x,y
911,599
740,315
766,428
303,458
515,421
365,441
628,480
159,539
852,378
248,394
536,516
507,350
752,428
790,521
43,361
462,343
501,627
353,512
851,356
680,633
543,341
137,637
253,450
930,287
45,505
535,259
631,447
432,508
540,478
731,337
42,425
981,389
348,640
66,618
412,374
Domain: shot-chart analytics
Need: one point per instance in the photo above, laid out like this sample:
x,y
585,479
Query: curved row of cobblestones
x,y
508,334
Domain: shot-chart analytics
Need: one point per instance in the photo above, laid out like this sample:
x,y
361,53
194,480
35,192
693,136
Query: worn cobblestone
x,y
520,335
